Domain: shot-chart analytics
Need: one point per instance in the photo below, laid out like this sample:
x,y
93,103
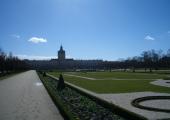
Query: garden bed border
x,y
136,103
63,110
114,108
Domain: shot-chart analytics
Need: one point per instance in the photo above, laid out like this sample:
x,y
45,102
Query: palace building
x,y
61,54
61,62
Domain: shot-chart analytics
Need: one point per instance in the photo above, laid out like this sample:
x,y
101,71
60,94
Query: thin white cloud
x,y
15,36
149,38
34,57
37,40
68,56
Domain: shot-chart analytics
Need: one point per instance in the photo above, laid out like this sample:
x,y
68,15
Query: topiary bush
x,y
61,84
44,74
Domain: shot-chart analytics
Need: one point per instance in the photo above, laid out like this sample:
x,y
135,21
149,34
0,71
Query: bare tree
x,y
2,61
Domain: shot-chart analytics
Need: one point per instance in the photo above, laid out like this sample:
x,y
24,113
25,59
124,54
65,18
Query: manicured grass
x,y
120,75
117,86
167,78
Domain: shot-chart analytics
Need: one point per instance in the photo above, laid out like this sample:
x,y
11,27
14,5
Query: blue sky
x,y
87,29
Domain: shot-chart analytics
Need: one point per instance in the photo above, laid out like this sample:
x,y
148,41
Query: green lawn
x,y
116,86
120,75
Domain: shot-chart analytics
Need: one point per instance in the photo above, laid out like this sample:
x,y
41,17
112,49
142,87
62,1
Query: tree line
x,y
148,60
10,63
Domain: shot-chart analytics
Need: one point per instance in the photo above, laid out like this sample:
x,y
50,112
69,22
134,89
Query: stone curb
x,y
114,108
137,101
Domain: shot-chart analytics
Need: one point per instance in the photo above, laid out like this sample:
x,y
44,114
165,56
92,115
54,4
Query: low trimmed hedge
x,y
114,108
67,115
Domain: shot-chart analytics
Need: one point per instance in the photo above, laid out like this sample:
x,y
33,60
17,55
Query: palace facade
x,y
61,62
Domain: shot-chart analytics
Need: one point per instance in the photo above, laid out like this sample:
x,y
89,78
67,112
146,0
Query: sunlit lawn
x,y
120,75
116,86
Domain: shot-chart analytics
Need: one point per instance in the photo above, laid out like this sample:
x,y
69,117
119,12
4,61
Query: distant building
x,y
64,63
61,54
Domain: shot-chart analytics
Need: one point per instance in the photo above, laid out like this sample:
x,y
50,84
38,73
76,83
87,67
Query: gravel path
x,y
89,78
23,97
124,100
164,83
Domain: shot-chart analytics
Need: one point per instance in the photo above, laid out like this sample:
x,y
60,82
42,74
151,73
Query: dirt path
x,y
89,78
23,97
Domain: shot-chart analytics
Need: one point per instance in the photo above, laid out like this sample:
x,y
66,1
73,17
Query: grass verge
x,y
166,78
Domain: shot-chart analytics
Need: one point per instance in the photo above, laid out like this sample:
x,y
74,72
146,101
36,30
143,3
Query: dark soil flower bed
x,y
85,108
82,107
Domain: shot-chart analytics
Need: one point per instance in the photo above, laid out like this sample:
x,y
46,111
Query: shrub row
x,y
114,108
82,105
49,85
